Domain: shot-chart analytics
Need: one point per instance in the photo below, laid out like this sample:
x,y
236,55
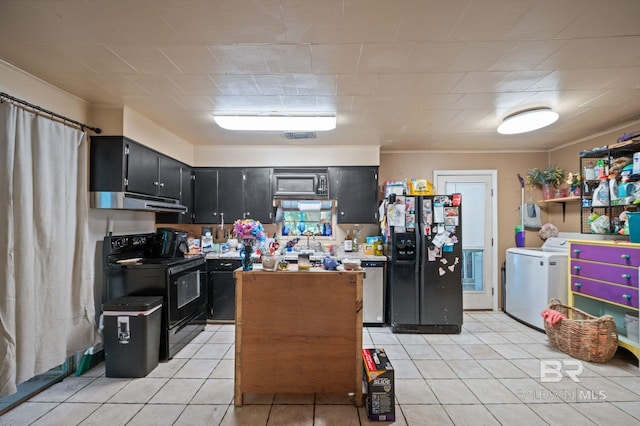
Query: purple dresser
x,y
604,279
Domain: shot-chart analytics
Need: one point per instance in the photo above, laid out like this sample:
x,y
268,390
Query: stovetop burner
x,y
136,250
163,261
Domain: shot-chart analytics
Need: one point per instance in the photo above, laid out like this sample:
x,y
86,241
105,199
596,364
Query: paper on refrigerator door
x,y
440,239
396,213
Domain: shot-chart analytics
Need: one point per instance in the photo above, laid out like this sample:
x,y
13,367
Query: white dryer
x,y
533,277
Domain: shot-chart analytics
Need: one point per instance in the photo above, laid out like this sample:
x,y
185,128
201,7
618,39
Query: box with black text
x,y
378,375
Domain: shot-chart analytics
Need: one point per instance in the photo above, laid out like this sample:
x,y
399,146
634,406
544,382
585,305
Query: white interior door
x,y
479,213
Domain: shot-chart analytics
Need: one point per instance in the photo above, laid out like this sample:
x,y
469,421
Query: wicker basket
x,y
581,335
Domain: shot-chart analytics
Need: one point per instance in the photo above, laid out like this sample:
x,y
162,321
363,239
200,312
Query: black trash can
x,y
132,335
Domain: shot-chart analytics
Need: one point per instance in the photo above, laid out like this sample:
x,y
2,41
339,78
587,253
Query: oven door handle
x,y
196,265
200,273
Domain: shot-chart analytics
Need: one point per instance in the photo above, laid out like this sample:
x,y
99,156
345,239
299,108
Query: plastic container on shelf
x,y
601,194
634,226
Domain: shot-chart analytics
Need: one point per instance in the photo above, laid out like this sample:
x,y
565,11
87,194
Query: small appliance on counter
x,y
169,242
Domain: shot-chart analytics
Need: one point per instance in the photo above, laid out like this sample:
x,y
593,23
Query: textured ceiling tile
x,y
293,58
545,19
145,59
195,84
384,57
357,84
191,59
335,58
313,22
98,58
527,55
239,58
156,85
433,57
438,82
308,84
488,20
430,20
604,19
276,84
479,56
235,84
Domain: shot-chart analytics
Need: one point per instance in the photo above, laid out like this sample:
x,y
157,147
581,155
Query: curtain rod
x,y
64,119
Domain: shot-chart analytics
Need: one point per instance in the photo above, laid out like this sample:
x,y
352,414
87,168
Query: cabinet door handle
x,y
161,184
576,251
625,256
627,296
578,285
156,183
577,267
626,276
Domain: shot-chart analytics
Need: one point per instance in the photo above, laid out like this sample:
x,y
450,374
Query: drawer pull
x,y
577,267
626,276
578,285
576,251
625,256
627,296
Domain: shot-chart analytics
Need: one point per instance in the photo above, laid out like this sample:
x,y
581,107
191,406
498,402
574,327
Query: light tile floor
x,y
487,375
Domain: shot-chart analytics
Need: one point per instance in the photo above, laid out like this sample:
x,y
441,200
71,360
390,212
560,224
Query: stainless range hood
x,y
132,201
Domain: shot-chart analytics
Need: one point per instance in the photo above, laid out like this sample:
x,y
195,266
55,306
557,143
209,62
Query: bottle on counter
x,y
357,237
207,242
348,242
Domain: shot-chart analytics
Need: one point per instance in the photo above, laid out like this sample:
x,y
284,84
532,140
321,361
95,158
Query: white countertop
x,y
292,255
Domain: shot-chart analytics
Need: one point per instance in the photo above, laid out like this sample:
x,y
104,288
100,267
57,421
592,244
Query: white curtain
x,y
46,294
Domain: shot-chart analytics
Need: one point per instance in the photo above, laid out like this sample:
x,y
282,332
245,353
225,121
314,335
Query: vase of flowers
x,y
250,232
548,179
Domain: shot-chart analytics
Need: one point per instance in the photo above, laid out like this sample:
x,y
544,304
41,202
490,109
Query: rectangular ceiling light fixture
x,y
277,123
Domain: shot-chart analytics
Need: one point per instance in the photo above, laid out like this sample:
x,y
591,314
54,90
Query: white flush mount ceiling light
x,y
277,123
527,121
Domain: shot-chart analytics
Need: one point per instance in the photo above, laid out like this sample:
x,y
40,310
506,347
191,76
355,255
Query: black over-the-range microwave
x,y
304,183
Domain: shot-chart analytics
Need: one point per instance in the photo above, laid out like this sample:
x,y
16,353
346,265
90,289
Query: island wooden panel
x,y
298,332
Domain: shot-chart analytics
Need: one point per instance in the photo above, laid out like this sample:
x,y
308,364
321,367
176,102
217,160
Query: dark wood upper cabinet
x,y
355,188
205,195
186,199
121,164
258,202
229,193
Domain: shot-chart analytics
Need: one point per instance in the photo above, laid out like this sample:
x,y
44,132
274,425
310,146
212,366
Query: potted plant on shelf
x,y
548,179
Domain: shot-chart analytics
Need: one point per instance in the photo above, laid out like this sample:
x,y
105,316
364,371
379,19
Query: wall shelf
x,y
560,200
563,201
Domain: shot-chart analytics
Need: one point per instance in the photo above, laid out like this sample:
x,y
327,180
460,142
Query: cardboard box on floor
x,y
379,385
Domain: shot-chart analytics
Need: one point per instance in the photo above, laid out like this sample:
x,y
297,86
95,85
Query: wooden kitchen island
x,y
298,332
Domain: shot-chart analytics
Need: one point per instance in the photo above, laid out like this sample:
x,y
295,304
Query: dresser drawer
x,y
627,256
615,293
625,275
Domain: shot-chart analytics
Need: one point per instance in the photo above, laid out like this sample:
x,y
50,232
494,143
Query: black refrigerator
x,y
425,274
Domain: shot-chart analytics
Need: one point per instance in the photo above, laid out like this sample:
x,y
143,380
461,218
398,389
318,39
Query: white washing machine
x,y
533,277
